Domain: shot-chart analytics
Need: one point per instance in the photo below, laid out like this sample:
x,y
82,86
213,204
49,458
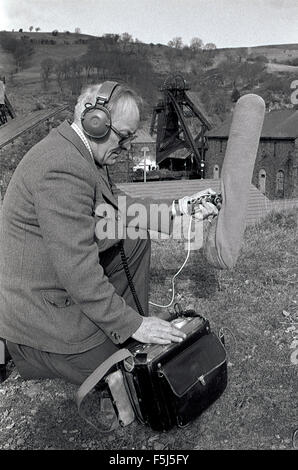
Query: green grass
x,y
257,304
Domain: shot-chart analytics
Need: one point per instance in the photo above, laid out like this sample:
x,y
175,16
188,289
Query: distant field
x,y
57,52
282,68
6,62
279,53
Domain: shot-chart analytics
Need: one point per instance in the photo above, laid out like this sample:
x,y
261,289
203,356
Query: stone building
x,y
276,168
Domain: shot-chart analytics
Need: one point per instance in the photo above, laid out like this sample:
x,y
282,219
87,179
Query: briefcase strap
x,y
97,375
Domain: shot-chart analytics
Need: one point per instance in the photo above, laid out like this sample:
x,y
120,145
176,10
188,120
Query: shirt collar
x,y
103,171
82,136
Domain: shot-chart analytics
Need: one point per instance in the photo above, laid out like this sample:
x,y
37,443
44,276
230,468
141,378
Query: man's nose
x,y
126,146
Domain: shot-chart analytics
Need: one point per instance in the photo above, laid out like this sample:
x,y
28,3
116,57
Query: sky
x,y
227,23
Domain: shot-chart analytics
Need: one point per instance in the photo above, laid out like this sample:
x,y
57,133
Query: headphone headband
x,y
105,92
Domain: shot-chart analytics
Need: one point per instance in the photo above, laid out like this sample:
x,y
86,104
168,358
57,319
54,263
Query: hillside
x,y
213,74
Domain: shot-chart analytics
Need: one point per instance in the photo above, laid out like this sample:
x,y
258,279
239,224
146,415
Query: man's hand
x,y
204,210
202,194
157,331
196,205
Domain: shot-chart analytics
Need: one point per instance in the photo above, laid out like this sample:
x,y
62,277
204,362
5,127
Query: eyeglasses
x,y
124,138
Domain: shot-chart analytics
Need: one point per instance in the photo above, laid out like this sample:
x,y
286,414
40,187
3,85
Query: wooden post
x,y
145,168
145,150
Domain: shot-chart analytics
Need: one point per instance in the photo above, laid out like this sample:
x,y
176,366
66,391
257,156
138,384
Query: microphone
x,y
224,239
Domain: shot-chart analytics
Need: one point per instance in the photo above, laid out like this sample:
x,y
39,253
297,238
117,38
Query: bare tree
x,y
126,40
196,44
47,67
126,37
138,46
209,46
58,69
86,65
110,41
176,42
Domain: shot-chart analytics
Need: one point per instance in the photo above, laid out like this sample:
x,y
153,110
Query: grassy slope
x,y
27,85
157,53
60,50
257,410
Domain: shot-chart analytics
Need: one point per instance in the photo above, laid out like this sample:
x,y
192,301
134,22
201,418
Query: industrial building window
x,y
216,172
262,181
280,183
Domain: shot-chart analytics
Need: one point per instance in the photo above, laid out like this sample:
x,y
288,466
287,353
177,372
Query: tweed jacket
x,y
54,295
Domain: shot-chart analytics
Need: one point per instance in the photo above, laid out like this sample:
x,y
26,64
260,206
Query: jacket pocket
x,y
65,322
58,298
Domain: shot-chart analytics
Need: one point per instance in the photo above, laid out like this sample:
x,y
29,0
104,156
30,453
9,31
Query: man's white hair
x,y
123,102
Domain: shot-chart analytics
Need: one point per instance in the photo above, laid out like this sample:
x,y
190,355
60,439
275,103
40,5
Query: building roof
x,y
143,137
17,126
278,124
180,154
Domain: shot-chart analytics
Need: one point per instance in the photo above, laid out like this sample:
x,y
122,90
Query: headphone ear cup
x,y
96,121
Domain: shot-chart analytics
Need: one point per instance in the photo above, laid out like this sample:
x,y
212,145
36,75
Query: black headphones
x,y
96,119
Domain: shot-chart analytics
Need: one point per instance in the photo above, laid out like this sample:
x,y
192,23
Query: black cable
x,y
109,180
129,279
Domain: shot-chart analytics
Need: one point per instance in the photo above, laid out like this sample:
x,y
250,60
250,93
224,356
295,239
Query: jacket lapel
x,y
68,133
